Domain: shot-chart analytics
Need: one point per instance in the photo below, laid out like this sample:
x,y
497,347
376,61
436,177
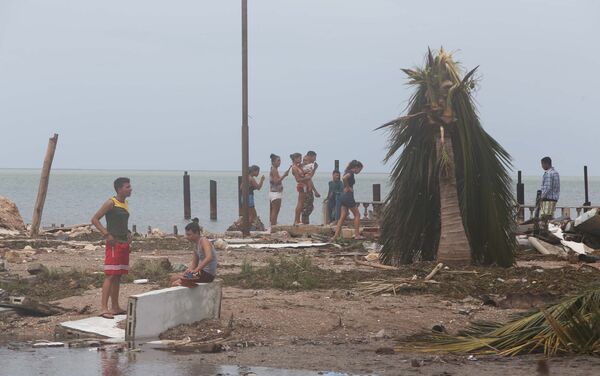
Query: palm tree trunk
x,y
454,246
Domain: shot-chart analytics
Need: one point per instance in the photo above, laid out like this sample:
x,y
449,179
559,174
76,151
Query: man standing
x,y
118,238
550,191
309,167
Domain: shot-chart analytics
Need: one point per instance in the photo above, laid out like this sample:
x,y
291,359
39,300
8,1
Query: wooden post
x,y
134,229
245,142
175,232
213,200
586,187
187,204
336,165
376,192
43,188
149,230
240,196
520,197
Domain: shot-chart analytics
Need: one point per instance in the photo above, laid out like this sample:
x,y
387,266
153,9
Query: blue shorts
x,y
250,201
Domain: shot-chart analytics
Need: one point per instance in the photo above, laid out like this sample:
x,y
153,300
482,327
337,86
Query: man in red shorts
x,y
118,237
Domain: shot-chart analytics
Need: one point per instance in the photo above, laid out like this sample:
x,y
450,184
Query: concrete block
x,y
152,313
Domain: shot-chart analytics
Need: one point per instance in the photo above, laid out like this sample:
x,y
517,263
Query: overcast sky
x,y
153,84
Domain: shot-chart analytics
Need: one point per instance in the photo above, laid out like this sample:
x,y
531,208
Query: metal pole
x,y
336,165
187,206
245,146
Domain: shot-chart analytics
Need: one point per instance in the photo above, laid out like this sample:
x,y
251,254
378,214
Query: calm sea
x,y
157,199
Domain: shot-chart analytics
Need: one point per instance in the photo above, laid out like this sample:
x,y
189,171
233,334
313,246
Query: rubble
x,y
10,218
36,268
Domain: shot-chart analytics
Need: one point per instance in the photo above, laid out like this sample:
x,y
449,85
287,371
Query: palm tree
x,y
451,197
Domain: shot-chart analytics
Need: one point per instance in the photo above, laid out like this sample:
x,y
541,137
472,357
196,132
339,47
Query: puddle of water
x,y
84,362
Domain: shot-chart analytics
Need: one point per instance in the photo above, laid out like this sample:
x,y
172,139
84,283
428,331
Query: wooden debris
x,y
435,270
32,306
375,265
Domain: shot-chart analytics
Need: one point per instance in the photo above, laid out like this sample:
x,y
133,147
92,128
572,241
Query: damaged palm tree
x,y
451,198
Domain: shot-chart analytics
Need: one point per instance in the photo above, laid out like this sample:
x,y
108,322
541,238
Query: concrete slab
x,y
278,245
6,311
152,313
98,326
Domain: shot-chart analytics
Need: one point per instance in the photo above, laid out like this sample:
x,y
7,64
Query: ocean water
x,y
157,199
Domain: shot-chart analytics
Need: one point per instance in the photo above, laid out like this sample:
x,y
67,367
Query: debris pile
x,y
11,222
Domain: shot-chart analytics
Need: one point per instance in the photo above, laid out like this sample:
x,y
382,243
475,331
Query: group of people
x,y
203,267
340,196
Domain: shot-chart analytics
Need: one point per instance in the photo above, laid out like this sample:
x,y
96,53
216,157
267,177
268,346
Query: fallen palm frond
x,y
569,327
393,286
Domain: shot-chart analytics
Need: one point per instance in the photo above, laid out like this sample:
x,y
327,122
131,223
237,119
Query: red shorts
x,y
116,259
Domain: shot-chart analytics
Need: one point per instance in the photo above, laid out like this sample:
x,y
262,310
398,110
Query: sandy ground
x,y
333,329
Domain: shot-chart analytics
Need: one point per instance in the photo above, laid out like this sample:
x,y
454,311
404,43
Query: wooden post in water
x,y
336,165
245,142
376,198
586,187
187,204
376,192
520,197
134,229
43,188
175,232
213,200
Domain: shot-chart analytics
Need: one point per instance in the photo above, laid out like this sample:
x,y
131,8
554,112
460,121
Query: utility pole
x,y
245,148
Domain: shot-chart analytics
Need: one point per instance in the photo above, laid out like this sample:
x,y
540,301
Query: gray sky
x,y
156,84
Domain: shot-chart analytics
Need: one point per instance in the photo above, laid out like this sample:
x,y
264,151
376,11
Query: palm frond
x,y
568,327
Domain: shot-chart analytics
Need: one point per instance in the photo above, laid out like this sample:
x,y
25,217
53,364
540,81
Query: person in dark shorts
x,y
336,187
118,237
203,268
347,200
253,185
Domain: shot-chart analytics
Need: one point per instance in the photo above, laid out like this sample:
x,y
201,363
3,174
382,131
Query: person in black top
x,y
347,199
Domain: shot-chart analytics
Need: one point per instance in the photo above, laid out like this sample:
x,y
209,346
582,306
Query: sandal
x,y
121,312
107,315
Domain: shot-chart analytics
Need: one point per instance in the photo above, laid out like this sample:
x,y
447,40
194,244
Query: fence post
x,y
213,200
336,165
520,197
187,205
